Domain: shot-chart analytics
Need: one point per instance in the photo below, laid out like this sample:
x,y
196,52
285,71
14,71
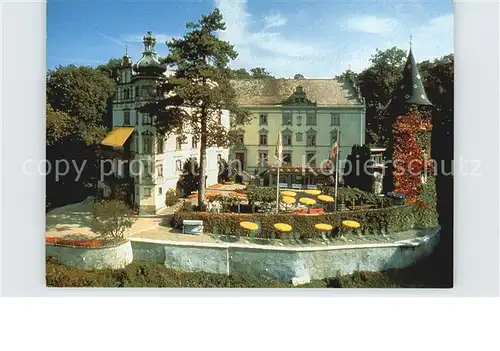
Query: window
x,y
136,142
287,118
263,139
136,117
194,142
263,119
311,119
311,159
126,94
147,143
178,143
335,119
262,162
287,158
299,137
311,140
287,139
160,190
159,145
299,120
136,91
126,117
178,165
240,139
160,170
147,192
146,118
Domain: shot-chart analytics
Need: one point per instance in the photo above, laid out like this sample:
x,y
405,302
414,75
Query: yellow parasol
x,y
288,193
312,192
325,198
249,225
351,224
323,227
282,227
307,201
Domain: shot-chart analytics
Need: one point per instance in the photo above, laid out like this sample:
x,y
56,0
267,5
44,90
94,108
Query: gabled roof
x,y
276,92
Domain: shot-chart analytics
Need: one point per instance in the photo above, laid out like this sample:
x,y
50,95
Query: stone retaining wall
x,y
295,264
92,258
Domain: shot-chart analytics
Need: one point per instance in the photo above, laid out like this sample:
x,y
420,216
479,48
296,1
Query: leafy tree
x,y
83,93
111,69
298,76
59,125
202,82
241,73
111,218
260,72
223,171
189,180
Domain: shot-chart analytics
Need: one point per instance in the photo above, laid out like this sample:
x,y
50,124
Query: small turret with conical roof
x,y
149,63
410,89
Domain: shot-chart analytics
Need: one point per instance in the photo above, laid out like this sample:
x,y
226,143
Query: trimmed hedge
x,y
373,221
87,244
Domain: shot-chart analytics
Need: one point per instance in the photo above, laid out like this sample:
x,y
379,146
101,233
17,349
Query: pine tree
x,y
200,90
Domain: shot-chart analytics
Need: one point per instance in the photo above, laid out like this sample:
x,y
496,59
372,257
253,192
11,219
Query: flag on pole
x,y
335,149
279,148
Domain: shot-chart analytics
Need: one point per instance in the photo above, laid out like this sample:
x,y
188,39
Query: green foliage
x,y
171,197
111,69
82,93
373,221
111,218
260,194
201,81
227,201
357,173
145,274
260,73
186,206
59,125
299,76
189,179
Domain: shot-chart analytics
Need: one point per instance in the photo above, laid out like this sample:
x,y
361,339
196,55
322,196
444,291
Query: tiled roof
x,y
272,92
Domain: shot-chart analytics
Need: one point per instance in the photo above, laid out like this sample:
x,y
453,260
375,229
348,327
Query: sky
x,y
316,38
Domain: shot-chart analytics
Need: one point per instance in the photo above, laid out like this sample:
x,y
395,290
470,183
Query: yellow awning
x,y
118,136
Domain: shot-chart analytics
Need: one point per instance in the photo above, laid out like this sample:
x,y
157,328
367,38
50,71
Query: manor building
x,y
309,114
152,162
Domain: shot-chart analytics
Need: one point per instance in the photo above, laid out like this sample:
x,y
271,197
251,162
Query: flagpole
x,y
278,189
337,169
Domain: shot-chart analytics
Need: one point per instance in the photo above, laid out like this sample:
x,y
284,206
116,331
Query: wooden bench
x,y
192,227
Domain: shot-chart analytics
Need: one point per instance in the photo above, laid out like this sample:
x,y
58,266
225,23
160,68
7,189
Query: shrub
x,y
373,221
186,206
111,218
227,202
171,197
260,193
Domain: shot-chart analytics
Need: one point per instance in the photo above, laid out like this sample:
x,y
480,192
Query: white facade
x,y
156,165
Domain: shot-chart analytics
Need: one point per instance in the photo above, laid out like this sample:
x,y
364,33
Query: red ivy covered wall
x,y
411,133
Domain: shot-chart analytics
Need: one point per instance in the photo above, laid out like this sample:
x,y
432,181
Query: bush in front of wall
x,y
373,221
171,197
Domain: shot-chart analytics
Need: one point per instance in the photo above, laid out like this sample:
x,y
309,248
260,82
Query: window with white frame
x,y
287,119
311,118
147,142
159,144
126,117
311,159
263,119
287,158
299,137
178,143
335,119
194,142
178,165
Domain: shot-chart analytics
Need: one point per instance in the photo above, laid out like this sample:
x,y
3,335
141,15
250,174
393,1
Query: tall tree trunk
x,y
203,169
